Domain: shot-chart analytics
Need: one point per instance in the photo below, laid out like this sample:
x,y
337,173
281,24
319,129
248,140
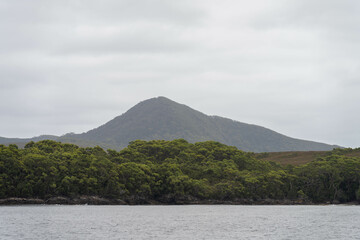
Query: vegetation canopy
x,y
158,170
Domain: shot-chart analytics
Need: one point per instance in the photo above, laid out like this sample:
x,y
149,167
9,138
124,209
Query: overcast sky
x,y
291,66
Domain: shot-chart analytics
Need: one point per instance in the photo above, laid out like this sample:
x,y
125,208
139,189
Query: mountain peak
x,y
161,98
158,100
157,108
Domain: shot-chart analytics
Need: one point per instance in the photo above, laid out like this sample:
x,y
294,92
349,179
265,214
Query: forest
x,y
170,171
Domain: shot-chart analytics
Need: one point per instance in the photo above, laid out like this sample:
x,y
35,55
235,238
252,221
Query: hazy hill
x,y
162,118
23,141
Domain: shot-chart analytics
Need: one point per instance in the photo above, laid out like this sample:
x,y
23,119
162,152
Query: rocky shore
x,y
135,200
90,200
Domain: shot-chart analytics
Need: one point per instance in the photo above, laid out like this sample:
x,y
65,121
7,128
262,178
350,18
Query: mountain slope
x,y
25,140
162,118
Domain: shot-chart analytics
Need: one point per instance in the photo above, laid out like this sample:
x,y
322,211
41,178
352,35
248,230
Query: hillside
x,y
298,158
163,119
295,158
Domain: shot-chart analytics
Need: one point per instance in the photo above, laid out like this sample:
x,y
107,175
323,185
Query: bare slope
x,y
299,158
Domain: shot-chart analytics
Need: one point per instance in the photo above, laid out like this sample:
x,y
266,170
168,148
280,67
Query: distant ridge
x,y
162,118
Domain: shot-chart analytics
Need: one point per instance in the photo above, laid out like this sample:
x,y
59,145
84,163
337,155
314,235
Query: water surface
x,y
180,222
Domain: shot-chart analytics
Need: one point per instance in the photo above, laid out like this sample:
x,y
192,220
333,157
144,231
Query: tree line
x,y
158,169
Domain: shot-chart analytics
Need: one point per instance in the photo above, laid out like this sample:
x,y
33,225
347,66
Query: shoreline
x,y
95,200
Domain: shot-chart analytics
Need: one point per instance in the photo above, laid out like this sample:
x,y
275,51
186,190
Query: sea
x,y
179,222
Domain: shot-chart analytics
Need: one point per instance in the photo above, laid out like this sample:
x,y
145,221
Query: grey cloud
x,y
47,26
92,11
163,11
70,66
138,41
310,14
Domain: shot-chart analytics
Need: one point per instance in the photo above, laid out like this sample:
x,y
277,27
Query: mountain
x,y
162,118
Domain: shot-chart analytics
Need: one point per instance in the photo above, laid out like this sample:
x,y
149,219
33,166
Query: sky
x,y
291,66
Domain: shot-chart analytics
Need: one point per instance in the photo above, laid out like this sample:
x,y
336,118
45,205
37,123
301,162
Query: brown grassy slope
x,y
293,158
299,158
